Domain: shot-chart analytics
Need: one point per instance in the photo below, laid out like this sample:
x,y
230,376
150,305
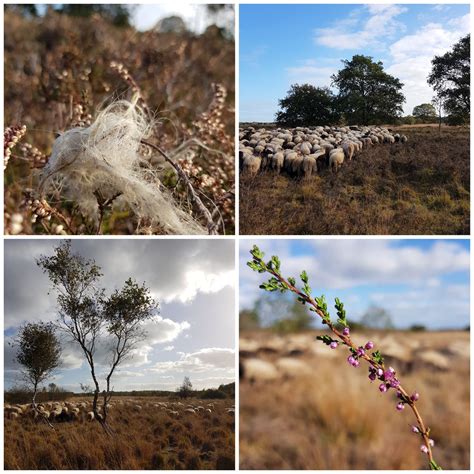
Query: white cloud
x,y
412,54
207,359
197,281
168,348
342,264
357,32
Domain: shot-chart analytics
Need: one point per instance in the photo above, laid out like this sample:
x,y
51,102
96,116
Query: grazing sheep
x,y
309,166
403,139
90,416
251,164
259,370
336,159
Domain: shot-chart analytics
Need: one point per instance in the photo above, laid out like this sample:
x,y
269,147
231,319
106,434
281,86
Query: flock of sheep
x,y
304,151
82,410
52,411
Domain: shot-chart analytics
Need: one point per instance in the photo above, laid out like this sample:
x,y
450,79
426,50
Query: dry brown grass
x,y
336,419
150,439
421,187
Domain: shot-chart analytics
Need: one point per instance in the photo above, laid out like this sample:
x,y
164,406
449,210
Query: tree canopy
x,y
425,112
307,105
38,352
450,77
367,94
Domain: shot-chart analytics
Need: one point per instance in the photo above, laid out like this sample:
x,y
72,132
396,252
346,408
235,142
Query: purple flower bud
x,y
399,394
369,345
379,372
400,406
383,388
391,369
415,429
346,331
372,376
351,360
415,397
431,442
333,345
360,352
394,383
387,375
356,363
424,449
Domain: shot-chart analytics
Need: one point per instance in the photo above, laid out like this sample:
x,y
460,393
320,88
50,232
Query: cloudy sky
x,y
417,281
193,334
282,45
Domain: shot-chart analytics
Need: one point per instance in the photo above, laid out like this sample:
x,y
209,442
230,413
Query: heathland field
x,y
148,433
418,187
302,406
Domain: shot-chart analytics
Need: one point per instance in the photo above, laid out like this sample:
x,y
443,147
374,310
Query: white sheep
x,y
336,159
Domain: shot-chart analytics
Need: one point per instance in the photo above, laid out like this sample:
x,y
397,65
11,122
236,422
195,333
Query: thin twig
x,y
211,226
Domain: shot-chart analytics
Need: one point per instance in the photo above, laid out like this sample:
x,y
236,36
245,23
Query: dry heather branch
x,y
11,136
377,369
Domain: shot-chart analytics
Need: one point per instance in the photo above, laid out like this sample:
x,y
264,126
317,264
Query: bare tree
x,y
186,388
90,319
39,353
124,313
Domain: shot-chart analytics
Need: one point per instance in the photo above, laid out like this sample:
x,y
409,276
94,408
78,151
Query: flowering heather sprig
x,y
318,305
11,136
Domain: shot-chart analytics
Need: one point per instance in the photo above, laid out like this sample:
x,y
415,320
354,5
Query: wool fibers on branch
x,y
105,158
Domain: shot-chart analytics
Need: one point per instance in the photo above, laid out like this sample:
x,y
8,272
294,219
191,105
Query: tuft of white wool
x,y
105,158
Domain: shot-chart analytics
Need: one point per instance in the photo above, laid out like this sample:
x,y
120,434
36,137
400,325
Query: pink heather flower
x,y
333,345
356,363
424,449
351,360
383,388
415,429
391,369
400,406
415,397
431,442
360,352
369,345
394,383
399,394
372,374
379,372
346,331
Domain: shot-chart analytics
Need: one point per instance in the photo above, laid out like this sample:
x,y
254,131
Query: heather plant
x,y
64,77
386,377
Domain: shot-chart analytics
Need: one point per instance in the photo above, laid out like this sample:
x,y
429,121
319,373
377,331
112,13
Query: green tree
x,y
367,94
450,77
298,319
248,320
186,388
86,315
377,318
307,105
38,352
425,112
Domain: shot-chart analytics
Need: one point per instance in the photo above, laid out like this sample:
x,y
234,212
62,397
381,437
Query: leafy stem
x,y
318,305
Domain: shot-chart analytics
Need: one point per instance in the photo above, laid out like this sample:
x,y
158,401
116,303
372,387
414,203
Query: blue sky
x,y
282,45
193,334
417,281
